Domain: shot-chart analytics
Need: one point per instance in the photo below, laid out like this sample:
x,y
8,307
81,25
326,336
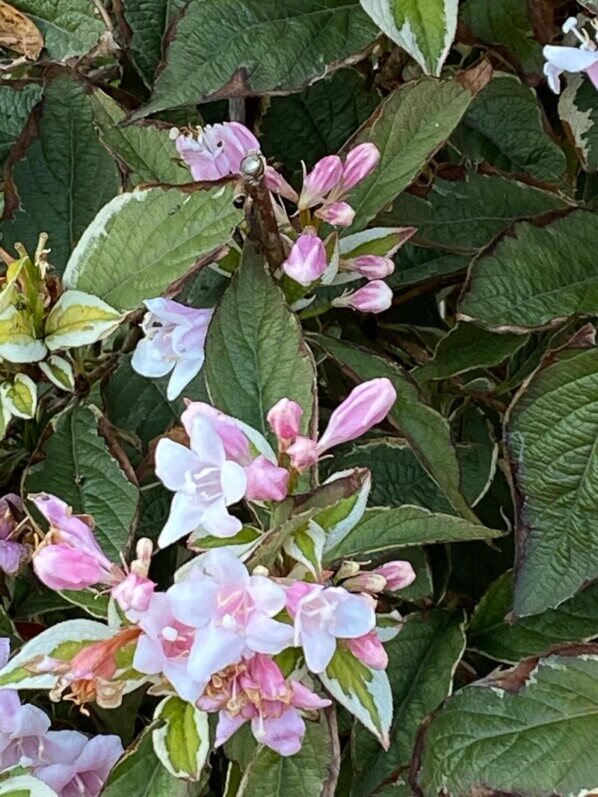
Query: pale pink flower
x,y
235,442
266,481
256,691
217,151
325,176
231,611
285,421
306,262
324,614
275,182
359,163
369,650
398,574
375,297
134,593
78,765
204,481
338,214
174,341
12,554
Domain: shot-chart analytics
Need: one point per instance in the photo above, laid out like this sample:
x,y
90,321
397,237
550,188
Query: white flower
x,y
174,340
571,59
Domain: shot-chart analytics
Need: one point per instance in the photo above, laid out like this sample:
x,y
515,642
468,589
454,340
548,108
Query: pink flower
x,y
204,481
231,611
398,574
303,452
369,650
78,765
276,183
375,297
324,614
325,175
134,593
69,556
217,151
266,481
236,444
174,342
256,691
307,260
359,163
285,421
372,267
12,554
339,214
571,59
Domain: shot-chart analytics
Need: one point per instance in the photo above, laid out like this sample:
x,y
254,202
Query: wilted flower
x,y
175,337
571,59
216,151
306,261
12,554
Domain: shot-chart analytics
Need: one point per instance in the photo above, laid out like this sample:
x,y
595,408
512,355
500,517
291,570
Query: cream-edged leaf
x,y
78,319
17,338
60,372
182,738
20,396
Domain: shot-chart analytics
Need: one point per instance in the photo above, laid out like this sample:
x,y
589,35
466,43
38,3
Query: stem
x,y
263,226
314,312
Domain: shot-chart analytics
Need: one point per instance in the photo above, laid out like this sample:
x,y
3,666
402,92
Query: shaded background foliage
x,y
490,343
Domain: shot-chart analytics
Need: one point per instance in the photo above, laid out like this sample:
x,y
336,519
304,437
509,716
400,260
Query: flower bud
x,y
369,650
339,214
360,161
64,567
375,297
323,178
365,406
372,267
134,593
347,569
398,574
285,419
275,182
303,453
307,259
266,481
367,581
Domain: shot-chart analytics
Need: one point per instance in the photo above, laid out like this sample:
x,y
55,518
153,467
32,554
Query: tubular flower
x,y
375,297
306,261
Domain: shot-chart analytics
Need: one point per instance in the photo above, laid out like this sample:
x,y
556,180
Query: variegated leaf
x,y
182,739
78,319
17,338
338,520
25,786
60,372
19,398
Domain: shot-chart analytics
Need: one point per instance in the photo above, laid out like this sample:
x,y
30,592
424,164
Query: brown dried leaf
x,y
18,33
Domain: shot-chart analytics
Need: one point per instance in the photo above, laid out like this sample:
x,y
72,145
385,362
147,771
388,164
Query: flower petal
x,y
184,517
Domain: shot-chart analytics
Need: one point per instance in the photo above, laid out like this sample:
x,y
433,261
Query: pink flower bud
x,y
360,161
275,182
398,574
365,582
63,567
134,593
375,297
339,214
266,481
372,267
365,406
307,259
369,650
323,178
303,453
285,420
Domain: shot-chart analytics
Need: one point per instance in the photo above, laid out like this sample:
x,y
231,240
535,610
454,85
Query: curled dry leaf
x,y
18,33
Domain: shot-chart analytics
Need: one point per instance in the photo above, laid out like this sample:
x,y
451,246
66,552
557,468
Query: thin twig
x,y
263,226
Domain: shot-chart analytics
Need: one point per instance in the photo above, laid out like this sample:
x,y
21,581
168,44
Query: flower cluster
x,y
584,58
68,761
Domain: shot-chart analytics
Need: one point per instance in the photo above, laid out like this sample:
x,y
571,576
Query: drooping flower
x,y
306,261
69,556
12,554
78,766
375,297
231,611
256,691
216,151
572,59
365,406
322,615
204,481
174,341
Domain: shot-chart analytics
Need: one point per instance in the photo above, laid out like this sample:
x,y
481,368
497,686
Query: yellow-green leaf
x,y
78,319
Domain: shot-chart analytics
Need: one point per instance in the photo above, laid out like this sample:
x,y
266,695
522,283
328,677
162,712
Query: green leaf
x,y
148,21
145,149
426,31
504,23
505,126
384,531
255,353
304,773
364,692
79,468
62,641
465,348
414,265
79,319
70,27
422,661
142,242
15,106
536,275
182,738
578,109
425,429
221,48
537,737
552,436
493,633
466,215
64,175
25,786
408,128
318,120
139,773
